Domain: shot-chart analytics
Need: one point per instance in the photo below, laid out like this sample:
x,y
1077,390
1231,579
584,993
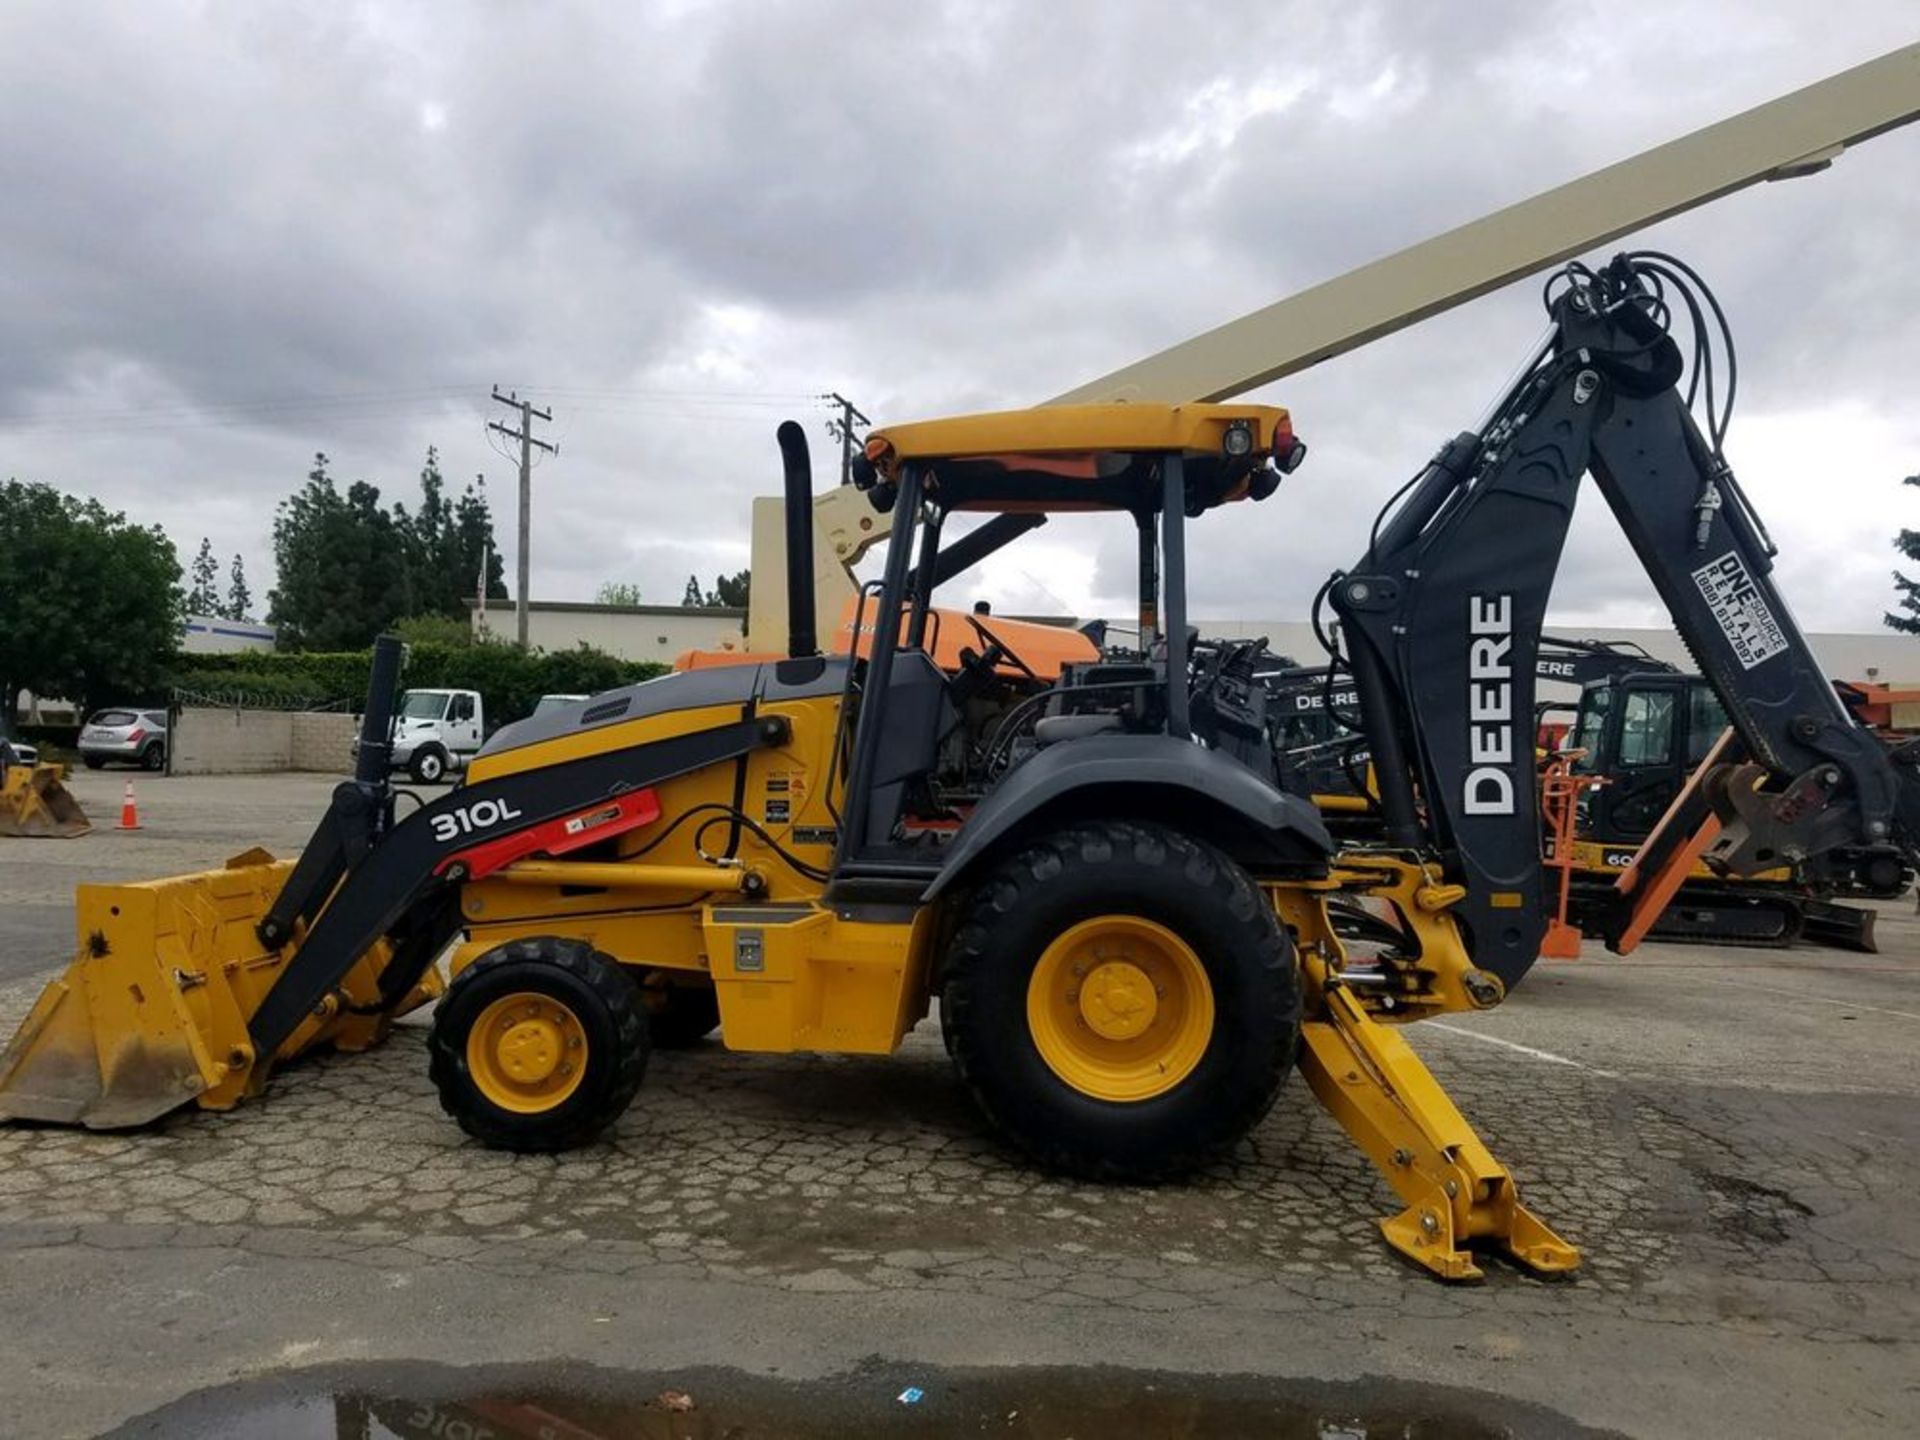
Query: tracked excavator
x,y
1639,732
1640,728
1125,918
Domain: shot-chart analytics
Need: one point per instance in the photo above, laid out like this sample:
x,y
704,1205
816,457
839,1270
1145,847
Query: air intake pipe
x,y
802,639
376,724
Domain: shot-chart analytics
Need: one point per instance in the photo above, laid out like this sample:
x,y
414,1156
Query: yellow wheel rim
x,y
1120,1008
527,1052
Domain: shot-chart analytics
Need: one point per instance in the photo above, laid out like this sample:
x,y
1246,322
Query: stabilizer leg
x,y
1457,1195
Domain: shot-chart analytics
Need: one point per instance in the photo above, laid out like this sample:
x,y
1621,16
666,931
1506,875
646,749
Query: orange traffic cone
x,y
129,812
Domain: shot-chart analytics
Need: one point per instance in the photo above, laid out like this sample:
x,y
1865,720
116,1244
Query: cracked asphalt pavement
x,y
1730,1137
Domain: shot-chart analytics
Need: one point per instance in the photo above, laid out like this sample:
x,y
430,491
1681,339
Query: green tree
x,y
90,603
239,597
204,597
434,630
350,567
729,591
446,542
1907,542
473,524
342,562
616,592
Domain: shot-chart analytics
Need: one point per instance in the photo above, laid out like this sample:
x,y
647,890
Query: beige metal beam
x,y
845,527
1794,135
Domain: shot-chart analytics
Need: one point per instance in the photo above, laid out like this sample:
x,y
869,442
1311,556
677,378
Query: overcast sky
x,y
239,233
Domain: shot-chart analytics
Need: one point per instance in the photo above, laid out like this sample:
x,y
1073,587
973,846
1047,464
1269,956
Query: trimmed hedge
x,y
509,680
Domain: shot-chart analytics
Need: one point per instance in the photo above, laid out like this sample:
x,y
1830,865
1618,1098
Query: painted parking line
x,y
1532,1052
1817,999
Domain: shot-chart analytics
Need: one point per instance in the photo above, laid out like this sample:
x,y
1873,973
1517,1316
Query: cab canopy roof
x,y
1085,457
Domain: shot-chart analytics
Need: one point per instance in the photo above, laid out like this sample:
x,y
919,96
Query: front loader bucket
x,y
35,804
153,1011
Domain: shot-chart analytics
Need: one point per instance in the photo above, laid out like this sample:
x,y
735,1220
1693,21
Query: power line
x,y
528,414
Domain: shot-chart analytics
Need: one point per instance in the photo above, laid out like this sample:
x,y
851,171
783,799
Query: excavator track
x,y
1741,920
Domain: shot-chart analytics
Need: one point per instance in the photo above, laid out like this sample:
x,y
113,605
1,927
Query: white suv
x,y
134,737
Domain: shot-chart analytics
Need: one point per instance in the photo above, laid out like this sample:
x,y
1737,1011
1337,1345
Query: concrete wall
x,y
633,632
322,740
210,741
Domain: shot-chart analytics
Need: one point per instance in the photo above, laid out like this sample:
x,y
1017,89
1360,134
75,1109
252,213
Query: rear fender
x,y
1154,778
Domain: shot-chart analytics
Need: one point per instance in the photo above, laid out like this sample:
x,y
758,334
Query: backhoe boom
x,y
1443,615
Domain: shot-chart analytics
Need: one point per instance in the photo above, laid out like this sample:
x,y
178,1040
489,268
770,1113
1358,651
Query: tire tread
x,y
994,909
610,984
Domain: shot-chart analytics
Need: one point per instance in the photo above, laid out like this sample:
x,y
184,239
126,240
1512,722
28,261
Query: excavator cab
x,y
1646,732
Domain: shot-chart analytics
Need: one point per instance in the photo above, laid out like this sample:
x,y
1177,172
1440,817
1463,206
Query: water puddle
x,y
566,1402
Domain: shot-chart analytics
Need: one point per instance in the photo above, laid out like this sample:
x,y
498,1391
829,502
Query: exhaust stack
x,y
376,725
803,640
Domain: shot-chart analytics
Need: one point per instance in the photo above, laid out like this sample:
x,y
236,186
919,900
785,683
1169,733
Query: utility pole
x,y
843,428
524,435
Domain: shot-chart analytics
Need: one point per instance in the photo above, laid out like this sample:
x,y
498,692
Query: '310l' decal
x,y
472,819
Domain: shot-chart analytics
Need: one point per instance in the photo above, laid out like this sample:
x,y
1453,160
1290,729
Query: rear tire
x,y
1191,1015
92,762
154,757
428,766
539,1045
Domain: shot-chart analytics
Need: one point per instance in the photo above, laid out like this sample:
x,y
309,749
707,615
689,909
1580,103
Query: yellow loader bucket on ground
x,y
34,803
153,1011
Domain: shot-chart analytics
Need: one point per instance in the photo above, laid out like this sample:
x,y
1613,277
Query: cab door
x,y
1640,744
463,724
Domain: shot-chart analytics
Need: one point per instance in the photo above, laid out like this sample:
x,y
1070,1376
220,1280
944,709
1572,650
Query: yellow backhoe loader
x,y
1125,918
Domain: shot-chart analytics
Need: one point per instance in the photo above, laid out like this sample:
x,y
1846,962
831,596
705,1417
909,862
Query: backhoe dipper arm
x,y
1442,617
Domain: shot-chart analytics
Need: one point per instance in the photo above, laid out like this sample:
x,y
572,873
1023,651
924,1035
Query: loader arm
x,y
1442,620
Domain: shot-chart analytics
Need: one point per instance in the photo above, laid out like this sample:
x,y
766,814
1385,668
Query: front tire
x,y
428,766
1121,1002
539,1045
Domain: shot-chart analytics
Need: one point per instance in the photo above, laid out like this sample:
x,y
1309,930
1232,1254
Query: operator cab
x,y
926,748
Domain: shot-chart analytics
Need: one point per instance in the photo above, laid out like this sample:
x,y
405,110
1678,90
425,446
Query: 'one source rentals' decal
x,y
1740,610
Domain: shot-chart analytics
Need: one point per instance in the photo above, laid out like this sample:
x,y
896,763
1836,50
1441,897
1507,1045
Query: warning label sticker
x,y
1740,610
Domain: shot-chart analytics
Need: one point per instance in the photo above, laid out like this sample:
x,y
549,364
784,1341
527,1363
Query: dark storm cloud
x,y
245,233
